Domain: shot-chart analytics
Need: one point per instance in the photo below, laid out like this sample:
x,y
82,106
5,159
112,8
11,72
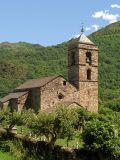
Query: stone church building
x,y
81,88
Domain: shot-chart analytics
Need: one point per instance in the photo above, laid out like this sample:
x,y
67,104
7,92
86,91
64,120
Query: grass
x,y
6,156
74,143
23,130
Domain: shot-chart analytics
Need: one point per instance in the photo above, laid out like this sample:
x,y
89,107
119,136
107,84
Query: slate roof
x,y
36,83
83,39
12,96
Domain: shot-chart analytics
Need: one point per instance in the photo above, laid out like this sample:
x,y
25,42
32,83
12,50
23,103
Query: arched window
x,y
89,58
73,58
89,74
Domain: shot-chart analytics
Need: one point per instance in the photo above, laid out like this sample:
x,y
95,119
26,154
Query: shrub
x,y
101,137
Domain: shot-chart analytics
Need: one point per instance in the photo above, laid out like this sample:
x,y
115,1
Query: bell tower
x,y
83,71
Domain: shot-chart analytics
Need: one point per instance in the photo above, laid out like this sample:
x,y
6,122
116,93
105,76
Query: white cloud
x,y
105,15
96,27
115,6
87,28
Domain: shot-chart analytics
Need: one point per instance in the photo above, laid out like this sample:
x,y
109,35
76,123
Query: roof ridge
x,y
35,83
13,95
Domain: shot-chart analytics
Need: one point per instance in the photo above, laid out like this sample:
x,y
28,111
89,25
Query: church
x,y
79,90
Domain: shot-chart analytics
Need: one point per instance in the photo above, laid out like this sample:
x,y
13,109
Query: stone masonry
x,y
83,57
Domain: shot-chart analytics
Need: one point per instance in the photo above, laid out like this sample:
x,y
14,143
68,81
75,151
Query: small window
x,y
73,58
89,58
88,92
64,83
60,96
88,74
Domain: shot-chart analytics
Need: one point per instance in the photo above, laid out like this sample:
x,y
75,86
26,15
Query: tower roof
x,y
83,39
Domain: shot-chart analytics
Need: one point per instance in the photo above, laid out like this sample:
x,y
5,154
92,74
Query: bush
x,y
101,137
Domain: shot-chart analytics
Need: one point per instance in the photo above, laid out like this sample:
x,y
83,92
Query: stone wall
x,y
34,99
4,105
73,75
57,91
13,104
89,96
21,103
77,74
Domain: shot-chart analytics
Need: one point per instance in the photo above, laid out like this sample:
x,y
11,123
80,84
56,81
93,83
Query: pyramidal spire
x,y
82,38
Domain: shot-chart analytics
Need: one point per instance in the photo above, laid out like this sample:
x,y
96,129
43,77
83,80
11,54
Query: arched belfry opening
x,y
88,74
89,58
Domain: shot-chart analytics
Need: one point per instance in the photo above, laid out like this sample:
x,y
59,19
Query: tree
x,y
83,117
67,120
55,125
101,137
9,119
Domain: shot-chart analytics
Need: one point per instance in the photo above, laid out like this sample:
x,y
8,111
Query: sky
x,y
50,22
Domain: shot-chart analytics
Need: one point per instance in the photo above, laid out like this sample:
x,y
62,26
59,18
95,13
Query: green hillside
x,y
22,61
108,41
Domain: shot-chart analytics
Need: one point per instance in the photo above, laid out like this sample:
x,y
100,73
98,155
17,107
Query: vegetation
x,y
53,126
22,61
6,156
8,120
102,137
91,132
95,133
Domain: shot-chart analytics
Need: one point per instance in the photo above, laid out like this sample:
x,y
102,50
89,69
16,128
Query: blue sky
x,y
49,22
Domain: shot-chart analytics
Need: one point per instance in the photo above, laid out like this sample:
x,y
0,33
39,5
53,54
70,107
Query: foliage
x,y
114,105
9,119
22,61
100,132
53,126
83,117
100,136
67,119
7,156
15,147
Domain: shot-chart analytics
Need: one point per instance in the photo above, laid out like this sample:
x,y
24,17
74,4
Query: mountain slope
x,y
108,41
22,61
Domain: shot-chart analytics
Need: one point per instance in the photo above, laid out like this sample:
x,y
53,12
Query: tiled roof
x,y
12,96
35,83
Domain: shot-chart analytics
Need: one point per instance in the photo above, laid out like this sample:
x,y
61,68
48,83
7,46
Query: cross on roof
x,y
82,29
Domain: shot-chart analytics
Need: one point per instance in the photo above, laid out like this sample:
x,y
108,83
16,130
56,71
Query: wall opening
x,y
60,96
73,58
64,83
89,58
89,74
